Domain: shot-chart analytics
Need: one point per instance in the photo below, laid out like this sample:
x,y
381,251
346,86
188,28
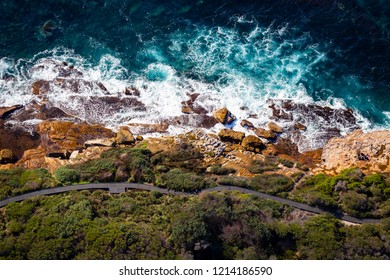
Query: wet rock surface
x,y
6,111
224,116
310,126
145,128
267,134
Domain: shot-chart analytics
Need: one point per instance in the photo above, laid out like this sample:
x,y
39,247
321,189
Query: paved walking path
x,y
122,187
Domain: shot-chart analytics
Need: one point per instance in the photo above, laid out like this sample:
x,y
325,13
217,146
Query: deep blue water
x,y
328,48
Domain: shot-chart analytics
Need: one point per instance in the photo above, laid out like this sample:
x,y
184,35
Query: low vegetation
x,y
351,192
147,225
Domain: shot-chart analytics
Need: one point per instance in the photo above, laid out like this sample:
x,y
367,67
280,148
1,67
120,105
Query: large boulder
x,y
252,143
368,151
191,106
264,133
228,135
224,116
6,156
247,124
6,111
124,136
60,138
40,87
275,128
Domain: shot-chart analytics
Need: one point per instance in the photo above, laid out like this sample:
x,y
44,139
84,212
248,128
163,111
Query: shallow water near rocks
x,y
238,54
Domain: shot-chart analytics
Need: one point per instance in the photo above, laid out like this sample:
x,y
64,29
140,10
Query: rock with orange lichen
x,y
60,138
368,151
224,116
252,143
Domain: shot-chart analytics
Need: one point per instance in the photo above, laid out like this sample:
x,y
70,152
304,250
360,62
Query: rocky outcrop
x,y
124,136
133,91
61,138
34,110
17,140
275,128
193,120
228,135
252,143
224,116
102,142
368,151
300,126
191,106
6,111
6,156
40,87
301,120
247,124
263,133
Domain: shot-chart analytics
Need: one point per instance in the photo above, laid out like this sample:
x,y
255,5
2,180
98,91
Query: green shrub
x,y
18,180
355,204
97,170
376,180
271,183
217,169
66,175
286,163
234,181
176,180
258,166
321,200
134,152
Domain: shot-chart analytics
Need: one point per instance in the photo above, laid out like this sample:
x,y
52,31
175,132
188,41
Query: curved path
x,y
122,187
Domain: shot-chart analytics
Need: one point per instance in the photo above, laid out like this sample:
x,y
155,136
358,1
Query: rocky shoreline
x,y
287,156
54,143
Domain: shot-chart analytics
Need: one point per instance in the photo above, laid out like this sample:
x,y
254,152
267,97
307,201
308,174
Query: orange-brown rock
x,y
63,137
229,135
287,147
6,156
300,126
368,151
264,133
124,136
252,143
17,140
311,158
191,106
40,87
186,109
6,111
275,128
33,158
247,124
270,150
224,116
